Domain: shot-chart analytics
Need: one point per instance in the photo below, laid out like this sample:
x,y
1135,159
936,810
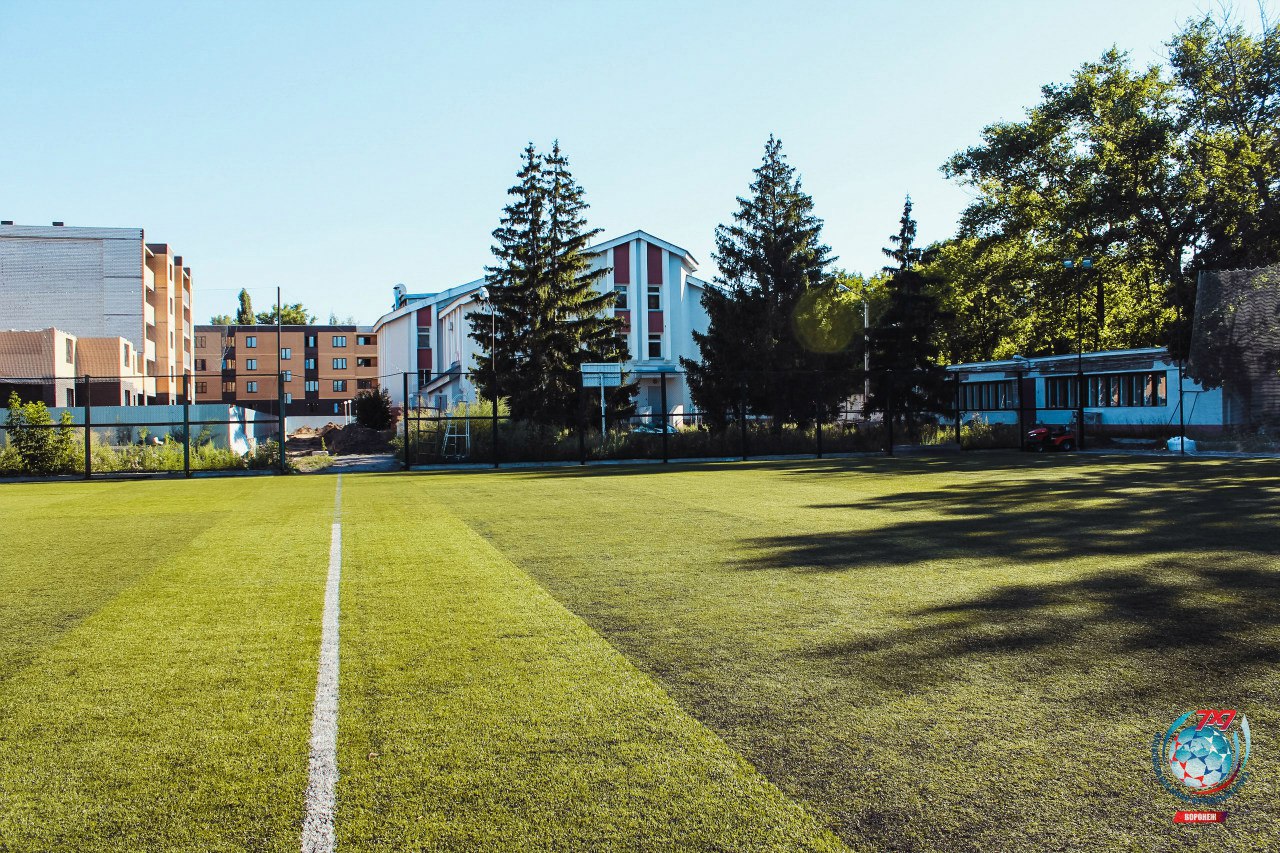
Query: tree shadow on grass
x,y
1186,572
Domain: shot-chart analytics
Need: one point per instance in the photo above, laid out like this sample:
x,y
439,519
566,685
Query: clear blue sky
x,y
336,149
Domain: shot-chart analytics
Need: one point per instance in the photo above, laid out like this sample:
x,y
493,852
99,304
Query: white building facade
x,y
425,349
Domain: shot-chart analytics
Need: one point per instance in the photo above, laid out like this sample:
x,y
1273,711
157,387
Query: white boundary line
x,y
322,770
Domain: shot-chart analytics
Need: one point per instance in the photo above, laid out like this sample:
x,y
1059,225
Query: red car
x,y
1051,438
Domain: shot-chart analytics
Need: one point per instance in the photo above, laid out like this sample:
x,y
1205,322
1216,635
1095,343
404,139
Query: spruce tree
x,y
245,316
548,316
908,377
772,264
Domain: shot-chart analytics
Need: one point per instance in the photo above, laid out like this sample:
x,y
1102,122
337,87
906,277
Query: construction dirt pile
x,y
339,440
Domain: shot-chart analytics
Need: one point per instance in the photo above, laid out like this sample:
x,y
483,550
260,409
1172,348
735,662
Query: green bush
x,y
40,447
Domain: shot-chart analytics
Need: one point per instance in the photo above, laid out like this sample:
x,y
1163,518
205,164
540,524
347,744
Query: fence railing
x,y
100,429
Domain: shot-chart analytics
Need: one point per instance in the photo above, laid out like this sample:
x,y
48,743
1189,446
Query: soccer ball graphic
x,y
1200,759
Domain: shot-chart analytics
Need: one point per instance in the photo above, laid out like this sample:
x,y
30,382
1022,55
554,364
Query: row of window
x,y
622,302
308,364
1101,390
251,386
1108,390
339,341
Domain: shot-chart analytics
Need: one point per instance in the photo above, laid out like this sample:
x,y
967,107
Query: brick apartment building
x,y
102,283
323,366
49,366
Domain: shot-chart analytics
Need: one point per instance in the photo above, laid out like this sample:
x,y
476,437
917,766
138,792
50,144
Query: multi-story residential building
x,y
658,298
102,283
50,366
321,367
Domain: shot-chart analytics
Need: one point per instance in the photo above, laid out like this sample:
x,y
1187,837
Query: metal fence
x,y
90,426
448,420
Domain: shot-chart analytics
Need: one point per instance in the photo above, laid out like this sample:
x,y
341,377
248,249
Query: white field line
x,y
322,771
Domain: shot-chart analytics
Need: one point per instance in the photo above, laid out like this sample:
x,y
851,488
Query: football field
x,y
964,653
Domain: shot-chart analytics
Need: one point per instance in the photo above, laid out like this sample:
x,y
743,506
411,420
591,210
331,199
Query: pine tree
x,y
245,316
908,377
773,265
548,317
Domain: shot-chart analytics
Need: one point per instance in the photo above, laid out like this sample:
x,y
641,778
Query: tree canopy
x,y
769,344
546,314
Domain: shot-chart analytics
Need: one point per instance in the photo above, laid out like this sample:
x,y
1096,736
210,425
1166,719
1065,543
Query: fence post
x,y
88,427
1022,413
818,425
1182,418
957,407
1079,408
404,418
280,416
495,417
888,412
666,420
742,418
186,424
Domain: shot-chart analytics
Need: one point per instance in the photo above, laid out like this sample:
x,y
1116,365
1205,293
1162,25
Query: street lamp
x,y
493,365
866,348
1086,265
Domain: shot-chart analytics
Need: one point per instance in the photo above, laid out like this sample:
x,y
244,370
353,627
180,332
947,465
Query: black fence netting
x,y
133,424
448,419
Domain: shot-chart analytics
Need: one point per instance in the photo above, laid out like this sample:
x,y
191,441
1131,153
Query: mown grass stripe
x,y
322,770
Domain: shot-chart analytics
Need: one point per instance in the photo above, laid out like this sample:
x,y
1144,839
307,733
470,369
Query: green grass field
x,y
970,653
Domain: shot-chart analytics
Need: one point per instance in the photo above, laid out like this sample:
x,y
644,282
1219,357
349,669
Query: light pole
x,y
1086,265
866,347
493,366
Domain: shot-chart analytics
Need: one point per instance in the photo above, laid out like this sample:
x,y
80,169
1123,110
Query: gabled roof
x,y
649,238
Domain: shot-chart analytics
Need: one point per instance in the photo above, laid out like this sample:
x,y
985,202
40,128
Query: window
x,y
364,362
286,353
200,364
655,297
171,340
655,346
287,375
1060,392
339,364
229,387
336,408
340,385
170,304
424,337
126,399
202,387
309,364
288,398
1109,390
251,341
312,385
366,340
311,341
228,364
250,364
339,340
364,384
199,341
124,354
251,386
620,297
71,397
987,396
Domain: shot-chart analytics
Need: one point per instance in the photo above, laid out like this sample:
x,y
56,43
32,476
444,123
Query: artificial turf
x,y
934,654
916,654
